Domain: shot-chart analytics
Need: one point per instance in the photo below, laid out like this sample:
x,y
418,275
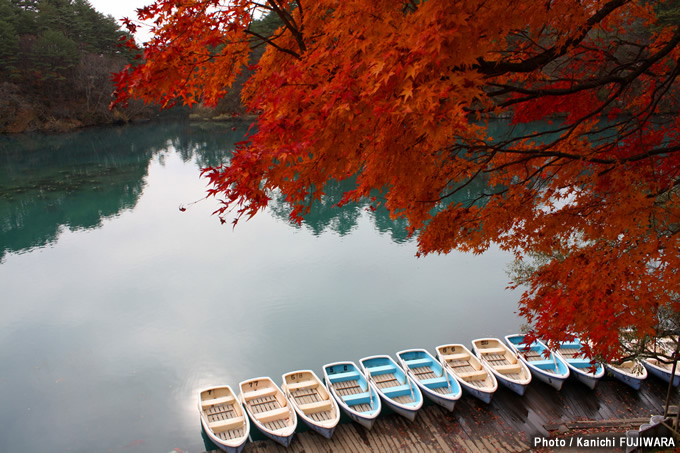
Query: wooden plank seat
x,y
508,369
383,369
492,351
226,425
435,382
252,394
398,390
274,414
473,375
302,385
346,376
318,406
461,356
357,398
218,401
415,363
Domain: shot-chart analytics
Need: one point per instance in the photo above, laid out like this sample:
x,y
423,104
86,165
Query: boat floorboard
x,y
230,434
264,404
321,416
220,412
570,353
276,424
508,424
306,395
423,372
496,359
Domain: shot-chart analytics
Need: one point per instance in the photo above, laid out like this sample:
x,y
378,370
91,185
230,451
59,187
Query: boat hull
x,y
630,380
547,378
481,395
514,386
661,373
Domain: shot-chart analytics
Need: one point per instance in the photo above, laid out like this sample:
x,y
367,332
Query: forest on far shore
x,y
56,60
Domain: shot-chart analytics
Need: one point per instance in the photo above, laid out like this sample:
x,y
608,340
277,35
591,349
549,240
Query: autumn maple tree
x,y
401,95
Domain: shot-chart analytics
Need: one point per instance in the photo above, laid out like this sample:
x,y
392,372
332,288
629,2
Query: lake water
x,y
116,307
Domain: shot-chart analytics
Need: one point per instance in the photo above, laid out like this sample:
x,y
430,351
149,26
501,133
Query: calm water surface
x,y
116,307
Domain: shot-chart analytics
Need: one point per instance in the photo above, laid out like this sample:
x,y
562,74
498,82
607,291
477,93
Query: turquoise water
x,y
117,307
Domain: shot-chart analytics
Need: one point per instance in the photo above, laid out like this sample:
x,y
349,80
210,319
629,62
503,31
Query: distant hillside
x,y
56,59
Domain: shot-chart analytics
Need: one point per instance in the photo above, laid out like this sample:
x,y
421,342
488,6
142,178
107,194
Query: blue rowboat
x,y
503,363
393,385
351,390
432,378
580,367
551,370
473,376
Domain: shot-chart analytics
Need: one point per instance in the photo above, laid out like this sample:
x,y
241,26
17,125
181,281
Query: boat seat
x,y
249,395
415,363
357,398
381,369
461,356
509,369
221,400
346,376
317,406
301,385
492,351
396,391
540,363
473,375
579,363
226,425
435,382
274,414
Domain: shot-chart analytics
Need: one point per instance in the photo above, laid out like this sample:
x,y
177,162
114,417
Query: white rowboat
x,y
503,363
473,376
223,418
312,402
269,409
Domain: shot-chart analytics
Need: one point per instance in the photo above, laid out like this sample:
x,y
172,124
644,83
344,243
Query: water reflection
x,y
74,181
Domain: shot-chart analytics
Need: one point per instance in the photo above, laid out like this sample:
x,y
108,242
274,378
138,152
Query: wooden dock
x,y
508,424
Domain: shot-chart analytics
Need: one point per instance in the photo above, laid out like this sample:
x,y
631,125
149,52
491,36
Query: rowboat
x,y
312,402
395,388
351,390
630,372
662,370
434,380
659,368
223,418
552,370
503,363
473,376
580,367
269,409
